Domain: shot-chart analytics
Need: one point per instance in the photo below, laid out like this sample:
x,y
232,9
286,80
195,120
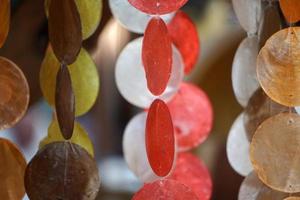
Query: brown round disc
x,y
62,170
291,10
14,94
65,30
260,107
278,67
4,20
274,152
12,170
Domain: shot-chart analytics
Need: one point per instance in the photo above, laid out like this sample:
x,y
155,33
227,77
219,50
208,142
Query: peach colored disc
x,y
278,67
12,170
292,198
290,9
253,189
274,152
14,95
260,107
4,20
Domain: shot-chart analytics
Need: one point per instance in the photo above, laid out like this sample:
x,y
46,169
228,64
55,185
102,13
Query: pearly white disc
x,y
249,14
131,18
253,189
238,147
131,79
134,148
243,73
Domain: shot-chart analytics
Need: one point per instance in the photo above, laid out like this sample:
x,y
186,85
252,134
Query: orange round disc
x,y
4,20
278,67
12,170
292,198
14,93
291,10
274,152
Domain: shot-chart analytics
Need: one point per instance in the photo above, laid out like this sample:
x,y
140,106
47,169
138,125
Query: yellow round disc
x,y
278,67
274,152
90,12
80,137
84,76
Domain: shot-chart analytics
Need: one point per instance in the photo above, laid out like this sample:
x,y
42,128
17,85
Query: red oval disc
x,y
160,144
166,190
184,35
192,172
192,116
157,55
157,6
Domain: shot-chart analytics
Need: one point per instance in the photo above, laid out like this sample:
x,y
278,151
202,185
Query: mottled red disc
x,y
192,116
157,55
165,190
160,144
192,172
184,35
157,6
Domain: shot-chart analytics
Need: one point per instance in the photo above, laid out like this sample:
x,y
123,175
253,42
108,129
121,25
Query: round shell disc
x,y
192,172
290,9
134,149
131,80
166,189
12,170
14,94
192,116
4,20
157,7
238,148
260,107
292,198
90,15
248,13
253,189
80,137
62,170
243,73
278,67
123,12
84,76
274,152
184,35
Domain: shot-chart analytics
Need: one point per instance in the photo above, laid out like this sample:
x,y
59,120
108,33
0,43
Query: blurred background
x,y
220,35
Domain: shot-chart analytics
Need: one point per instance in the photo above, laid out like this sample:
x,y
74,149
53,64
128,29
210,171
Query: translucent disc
x,y
165,190
277,67
134,149
160,139
90,15
14,93
248,13
157,6
260,107
123,11
84,76
4,20
253,189
192,172
243,74
12,168
157,55
131,79
62,170
192,116
184,35
290,9
275,152
79,137
238,148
